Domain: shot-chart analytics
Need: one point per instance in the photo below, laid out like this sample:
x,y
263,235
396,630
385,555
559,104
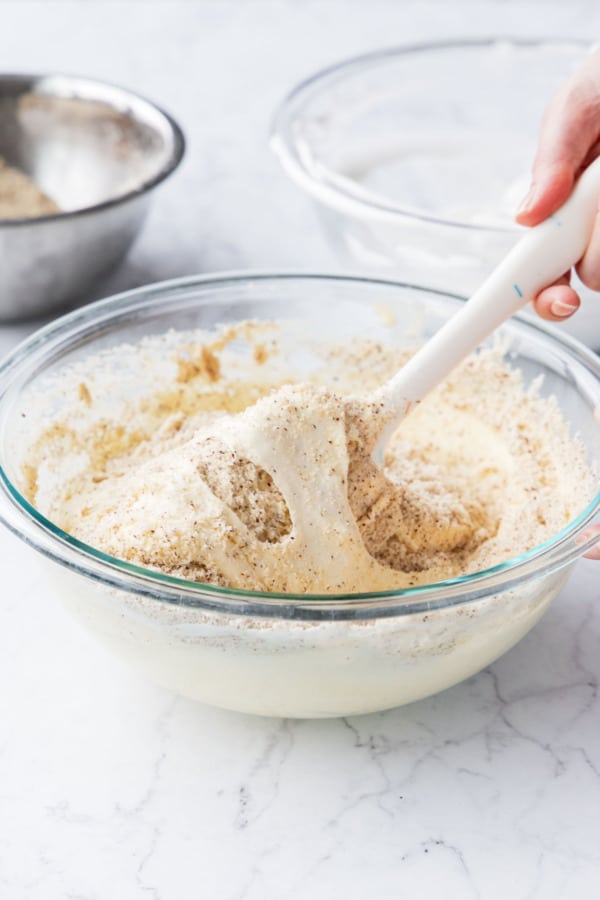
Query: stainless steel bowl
x,y
97,151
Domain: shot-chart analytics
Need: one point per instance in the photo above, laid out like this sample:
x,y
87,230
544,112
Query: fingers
x,y
551,186
568,139
593,531
557,302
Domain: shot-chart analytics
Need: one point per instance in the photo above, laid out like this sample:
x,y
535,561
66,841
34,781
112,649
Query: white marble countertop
x,y
112,788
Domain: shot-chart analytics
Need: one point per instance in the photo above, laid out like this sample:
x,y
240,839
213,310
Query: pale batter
x,y
282,496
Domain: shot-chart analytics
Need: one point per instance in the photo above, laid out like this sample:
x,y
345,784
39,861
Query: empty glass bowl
x,y
419,156
267,653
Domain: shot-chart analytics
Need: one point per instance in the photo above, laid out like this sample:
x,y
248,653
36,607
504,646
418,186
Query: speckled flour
x,y
228,481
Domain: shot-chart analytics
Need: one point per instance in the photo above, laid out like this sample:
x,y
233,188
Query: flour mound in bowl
x,y
20,197
230,473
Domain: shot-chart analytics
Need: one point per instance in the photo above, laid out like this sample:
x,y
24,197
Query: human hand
x,y
592,531
569,141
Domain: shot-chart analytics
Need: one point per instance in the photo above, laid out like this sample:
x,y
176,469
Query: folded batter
x,y
279,494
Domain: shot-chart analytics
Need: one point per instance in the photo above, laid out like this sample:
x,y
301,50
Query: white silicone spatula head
x,y
545,253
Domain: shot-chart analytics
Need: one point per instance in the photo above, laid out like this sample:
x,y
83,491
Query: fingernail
x,y
561,309
528,200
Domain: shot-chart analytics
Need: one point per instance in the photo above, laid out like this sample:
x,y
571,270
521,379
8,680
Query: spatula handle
x,y
546,252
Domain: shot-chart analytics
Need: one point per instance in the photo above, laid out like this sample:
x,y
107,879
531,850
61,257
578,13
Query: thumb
x,y
551,186
569,132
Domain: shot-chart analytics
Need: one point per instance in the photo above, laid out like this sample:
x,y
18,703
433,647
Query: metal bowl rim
x,y
176,155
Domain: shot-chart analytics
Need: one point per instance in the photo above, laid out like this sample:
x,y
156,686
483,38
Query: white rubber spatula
x,y
545,253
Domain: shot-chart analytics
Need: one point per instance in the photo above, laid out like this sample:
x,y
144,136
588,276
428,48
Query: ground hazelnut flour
x,y
20,197
217,466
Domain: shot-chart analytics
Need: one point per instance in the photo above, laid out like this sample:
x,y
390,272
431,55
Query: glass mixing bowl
x,y
284,654
418,156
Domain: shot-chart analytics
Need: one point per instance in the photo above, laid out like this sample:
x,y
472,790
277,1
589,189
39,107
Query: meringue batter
x,y
260,484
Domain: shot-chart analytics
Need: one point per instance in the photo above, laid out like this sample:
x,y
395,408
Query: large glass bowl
x,y
284,654
418,156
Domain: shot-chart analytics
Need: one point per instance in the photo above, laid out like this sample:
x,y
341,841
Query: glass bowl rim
x,y
334,194
133,101
43,535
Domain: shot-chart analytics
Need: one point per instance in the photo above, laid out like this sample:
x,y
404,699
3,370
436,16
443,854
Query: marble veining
x,y
113,788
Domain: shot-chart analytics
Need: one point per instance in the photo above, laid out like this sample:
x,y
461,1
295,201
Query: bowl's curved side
x,y
51,264
304,669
